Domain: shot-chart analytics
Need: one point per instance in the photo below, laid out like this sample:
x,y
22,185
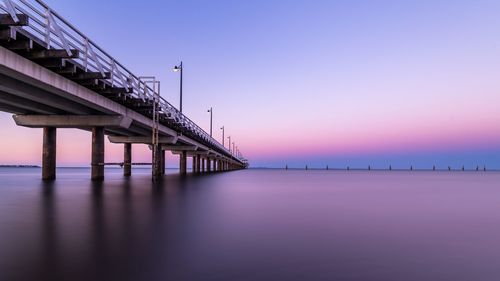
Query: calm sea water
x,y
251,225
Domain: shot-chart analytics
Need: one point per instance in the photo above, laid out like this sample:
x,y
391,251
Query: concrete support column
x,y
127,159
49,153
97,153
193,164
156,161
209,169
163,161
202,165
183,163
198,163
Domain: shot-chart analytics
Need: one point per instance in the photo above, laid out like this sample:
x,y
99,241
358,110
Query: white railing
x,y
48,28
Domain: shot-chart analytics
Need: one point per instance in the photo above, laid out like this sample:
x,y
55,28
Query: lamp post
x,y
179,68
222,128
229,145
211,111
233,147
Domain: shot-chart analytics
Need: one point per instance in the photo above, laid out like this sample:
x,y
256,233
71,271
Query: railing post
x,y
47,28
11,9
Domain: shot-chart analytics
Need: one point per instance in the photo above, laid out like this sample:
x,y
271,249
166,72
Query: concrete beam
x,y
27,105
52,53
190,153
21,89
72,121
180,147
11,109
141,139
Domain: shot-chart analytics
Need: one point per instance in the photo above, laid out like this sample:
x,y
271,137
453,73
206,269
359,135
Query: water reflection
x,y
251,225
49,255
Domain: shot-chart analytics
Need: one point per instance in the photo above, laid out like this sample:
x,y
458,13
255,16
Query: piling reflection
x,y
251,225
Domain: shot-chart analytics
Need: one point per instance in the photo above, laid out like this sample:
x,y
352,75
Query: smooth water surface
x,y
250,225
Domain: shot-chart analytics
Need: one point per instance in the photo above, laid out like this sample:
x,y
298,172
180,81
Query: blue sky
x,y
319,82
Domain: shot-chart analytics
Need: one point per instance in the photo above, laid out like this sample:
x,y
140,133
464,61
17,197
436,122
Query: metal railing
x,y
48,28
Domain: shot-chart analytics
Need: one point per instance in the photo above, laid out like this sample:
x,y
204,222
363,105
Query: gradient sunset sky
x,y
338,83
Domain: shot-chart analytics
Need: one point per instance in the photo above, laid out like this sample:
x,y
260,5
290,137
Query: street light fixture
x,y
222,128
211,111
176,69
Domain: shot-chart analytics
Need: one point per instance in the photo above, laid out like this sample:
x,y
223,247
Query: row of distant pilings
x,y
390,168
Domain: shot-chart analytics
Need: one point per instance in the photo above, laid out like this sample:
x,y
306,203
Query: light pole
x,y
233,147
222,128
211,111
179,68
229,143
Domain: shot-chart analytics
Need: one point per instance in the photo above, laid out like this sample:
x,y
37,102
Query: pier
x,y
53,76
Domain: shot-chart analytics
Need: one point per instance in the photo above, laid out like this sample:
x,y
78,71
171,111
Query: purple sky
x,y
321,83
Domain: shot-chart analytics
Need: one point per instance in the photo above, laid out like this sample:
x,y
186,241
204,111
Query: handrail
x,y
51,29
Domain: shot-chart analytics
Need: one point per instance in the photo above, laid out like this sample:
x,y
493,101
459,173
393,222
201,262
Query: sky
x,y
337,83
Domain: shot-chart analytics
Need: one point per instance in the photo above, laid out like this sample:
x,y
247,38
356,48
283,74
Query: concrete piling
x,y
127,159
49,153
183,162
97,153
157,162
198,163
193,164
163,161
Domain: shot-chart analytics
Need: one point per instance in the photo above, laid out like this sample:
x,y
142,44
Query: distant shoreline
x,y
19,166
